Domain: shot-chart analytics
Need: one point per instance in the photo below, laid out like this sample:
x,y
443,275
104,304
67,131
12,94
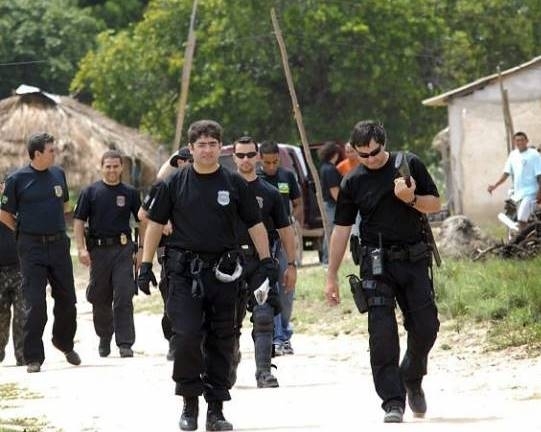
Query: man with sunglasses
x,y
204,202
278,226
395,265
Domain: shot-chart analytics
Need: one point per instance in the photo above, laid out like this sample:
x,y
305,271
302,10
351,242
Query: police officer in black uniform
x,y
179,159
204,202
109,250
286,183
395,267
34,202
10,293
278,227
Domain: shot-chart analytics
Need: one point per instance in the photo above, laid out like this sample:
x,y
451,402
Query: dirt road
x,y
325,386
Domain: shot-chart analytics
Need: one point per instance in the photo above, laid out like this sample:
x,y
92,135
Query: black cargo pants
x,y
204,331
45,259
111,290
410,285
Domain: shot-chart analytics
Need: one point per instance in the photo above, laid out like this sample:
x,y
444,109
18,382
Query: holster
x,y
358,293
355,248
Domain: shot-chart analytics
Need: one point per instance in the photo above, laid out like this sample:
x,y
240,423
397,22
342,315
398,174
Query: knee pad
x,y
263,319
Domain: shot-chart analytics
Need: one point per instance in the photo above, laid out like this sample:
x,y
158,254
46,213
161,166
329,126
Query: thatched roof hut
x,y
81,134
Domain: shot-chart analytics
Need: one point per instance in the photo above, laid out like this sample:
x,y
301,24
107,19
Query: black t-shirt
x,y
8,248
148,201
330,177
284,180
204,209
107,208
272,210
371,192
37,199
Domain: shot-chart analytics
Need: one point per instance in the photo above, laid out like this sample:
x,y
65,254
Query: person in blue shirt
x,y
524,166
34,202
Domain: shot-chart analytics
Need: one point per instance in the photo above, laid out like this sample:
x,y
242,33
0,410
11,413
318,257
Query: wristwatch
x,y
292,264
413,201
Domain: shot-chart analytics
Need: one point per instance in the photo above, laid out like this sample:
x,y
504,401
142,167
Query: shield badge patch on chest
x,y
223,198
120,200
58,191
259,201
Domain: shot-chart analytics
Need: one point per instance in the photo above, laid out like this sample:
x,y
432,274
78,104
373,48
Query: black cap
x,y
183,153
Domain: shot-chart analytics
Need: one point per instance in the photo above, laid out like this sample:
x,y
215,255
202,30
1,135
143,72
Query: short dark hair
x,y
365,130
245,140
37,142
204,127
328,151
269,147
112,154
522,134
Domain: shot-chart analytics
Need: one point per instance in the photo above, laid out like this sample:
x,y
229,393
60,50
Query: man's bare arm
x,y
8,220
258,234
153,234
337,248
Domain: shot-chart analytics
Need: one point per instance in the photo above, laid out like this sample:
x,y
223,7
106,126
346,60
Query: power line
x,y
23,63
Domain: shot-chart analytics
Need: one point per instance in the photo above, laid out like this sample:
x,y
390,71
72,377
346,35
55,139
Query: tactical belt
x,y
401,253
122,239
45,238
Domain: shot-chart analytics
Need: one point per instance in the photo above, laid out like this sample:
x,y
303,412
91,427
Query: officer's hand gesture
x,y
84,257
402,191
145,277
332,290
290,278
269,268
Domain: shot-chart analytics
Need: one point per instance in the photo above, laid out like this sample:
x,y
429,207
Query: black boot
x,y
416,397
190,411
215,418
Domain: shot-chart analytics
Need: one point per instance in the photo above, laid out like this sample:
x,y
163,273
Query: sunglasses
x,y
374,152
249,155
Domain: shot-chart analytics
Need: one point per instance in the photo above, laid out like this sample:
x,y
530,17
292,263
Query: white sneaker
x,y
287,348
278,350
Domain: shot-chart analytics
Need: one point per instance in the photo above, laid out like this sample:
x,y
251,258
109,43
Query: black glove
x,y
269,268
145,277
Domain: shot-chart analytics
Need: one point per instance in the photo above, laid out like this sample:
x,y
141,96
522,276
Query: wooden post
x,y
508,120
300,125
185,81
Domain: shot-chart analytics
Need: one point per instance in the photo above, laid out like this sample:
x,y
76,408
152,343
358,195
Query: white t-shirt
x,y
524,167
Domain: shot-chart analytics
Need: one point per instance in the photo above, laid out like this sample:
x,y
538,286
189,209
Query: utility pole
x,y
508,120
185,81
300,124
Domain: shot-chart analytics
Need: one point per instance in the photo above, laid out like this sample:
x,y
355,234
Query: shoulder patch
x,y
4,199
58,191
283,187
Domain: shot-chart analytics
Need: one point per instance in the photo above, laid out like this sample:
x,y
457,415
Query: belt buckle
x,y
123,239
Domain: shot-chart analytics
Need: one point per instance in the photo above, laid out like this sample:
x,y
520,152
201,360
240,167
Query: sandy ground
x,y
325,386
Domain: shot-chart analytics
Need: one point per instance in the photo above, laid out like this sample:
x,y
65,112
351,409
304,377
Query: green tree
x,y
350,60
42,42
115,14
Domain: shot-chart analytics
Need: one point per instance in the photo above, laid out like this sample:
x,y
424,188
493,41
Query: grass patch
x,y
12,392
504,294
23,424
